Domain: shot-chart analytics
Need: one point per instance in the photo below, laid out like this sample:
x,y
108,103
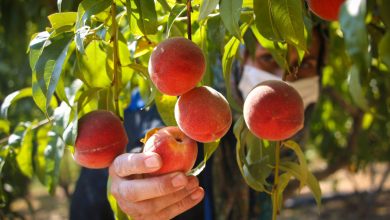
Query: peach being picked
x,y
274,111
100,138
177,151
176,66
203,114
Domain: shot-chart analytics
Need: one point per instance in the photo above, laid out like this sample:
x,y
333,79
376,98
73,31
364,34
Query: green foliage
x,y
92,55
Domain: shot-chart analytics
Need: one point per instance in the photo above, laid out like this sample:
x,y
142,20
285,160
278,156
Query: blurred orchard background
x,y
348,150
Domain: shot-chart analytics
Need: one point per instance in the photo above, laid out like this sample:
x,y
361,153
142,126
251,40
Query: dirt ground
x,y
346,196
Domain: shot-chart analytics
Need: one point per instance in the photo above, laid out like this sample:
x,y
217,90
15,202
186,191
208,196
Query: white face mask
x,y
308,88
251,77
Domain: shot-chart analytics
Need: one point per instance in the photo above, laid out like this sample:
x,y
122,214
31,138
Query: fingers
x,y
135,163
188,202
142,189
155,205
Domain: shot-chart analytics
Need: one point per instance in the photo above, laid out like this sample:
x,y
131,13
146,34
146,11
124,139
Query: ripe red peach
x,y
274,111
177,151
100,138
203,114
176,66
327,10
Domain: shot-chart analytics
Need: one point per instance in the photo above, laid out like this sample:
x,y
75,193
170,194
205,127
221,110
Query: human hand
x,y
160,197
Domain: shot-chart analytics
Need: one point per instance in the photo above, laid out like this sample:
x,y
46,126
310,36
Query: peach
x,y
100,138
203,114
274,111
176,66
327,10
177,151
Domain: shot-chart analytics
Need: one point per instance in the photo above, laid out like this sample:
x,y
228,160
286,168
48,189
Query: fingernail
x,y
152,162
197,194
178,180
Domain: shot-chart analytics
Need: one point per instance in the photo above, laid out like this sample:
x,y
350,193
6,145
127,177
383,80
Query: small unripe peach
x,y
274,111
327,10
203,114
100,138
176,66
177,151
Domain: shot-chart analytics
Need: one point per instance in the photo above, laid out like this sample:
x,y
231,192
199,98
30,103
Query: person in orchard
x,y
219,192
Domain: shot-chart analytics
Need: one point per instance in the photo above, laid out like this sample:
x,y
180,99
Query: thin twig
x,y
115,80
189,30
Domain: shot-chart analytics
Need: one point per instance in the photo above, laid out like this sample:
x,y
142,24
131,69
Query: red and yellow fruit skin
x,y
177,151
327,10
274,111
203,114
176,66
100,138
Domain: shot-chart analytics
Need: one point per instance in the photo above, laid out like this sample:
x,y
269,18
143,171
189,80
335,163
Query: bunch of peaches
x,y
273,110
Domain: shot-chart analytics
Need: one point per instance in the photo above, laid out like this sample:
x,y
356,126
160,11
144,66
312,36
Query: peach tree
x,y
93,58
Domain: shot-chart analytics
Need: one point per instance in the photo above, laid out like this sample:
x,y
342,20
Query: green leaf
x,y
128,12
143,71
58,20
311,182
146,16
48,68
39,157
355,88
264,20
4,126
257,160
14,97
278,52
281,20
384,48
38,95
229,55
206,8
165,106
230,11
177,10
284,179
87,96
53,153
118,213
301,158
240,132
4,150
86,9
25,153
208,150
70,133
55,76
92,68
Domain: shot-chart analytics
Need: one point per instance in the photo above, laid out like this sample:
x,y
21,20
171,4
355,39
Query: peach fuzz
x,y
177,151
203,114
274,111
100,138
176,66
